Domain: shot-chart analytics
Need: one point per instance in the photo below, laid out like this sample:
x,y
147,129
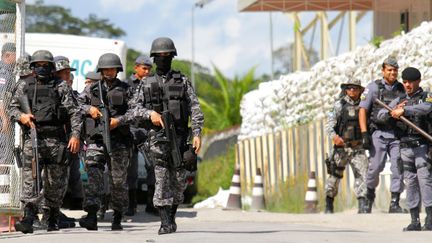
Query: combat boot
x,y
428,220
370,198
53,218
394,203
131,211
329,205
90,221
26,224
173,212
165,227
362,204
415,220
116,221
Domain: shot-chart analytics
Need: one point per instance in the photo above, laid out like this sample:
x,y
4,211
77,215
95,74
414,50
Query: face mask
x,y
43,72
163,64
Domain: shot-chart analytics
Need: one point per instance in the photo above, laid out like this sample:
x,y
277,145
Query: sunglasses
x,y
353,87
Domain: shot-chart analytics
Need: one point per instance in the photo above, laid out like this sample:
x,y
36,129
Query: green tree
x,y
57,19
222,106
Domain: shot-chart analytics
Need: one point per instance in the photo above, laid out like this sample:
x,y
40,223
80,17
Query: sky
x,y
233,41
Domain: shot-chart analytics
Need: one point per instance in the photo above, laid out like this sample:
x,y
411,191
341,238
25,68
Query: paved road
x,y
216,225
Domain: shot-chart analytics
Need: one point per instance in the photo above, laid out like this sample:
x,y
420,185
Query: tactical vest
x,y
170,95
47,107
385,96
408,133
347,125
115,99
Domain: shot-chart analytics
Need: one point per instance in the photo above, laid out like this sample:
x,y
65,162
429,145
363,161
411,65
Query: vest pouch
x,y
115,97
44,112
175,92
349,134
175,109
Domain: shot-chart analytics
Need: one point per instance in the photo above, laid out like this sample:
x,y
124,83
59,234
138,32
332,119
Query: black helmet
x,y
42,56
163,44
109,60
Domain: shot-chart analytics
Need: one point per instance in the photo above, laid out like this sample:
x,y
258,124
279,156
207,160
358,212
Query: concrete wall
x,y
387,15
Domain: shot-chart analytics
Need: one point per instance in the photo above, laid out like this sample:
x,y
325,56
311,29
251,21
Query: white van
x,y
83,52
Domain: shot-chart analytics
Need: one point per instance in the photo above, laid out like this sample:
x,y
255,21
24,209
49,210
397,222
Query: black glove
x,y
366,140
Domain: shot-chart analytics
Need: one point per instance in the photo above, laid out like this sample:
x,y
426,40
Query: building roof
x,y
304,5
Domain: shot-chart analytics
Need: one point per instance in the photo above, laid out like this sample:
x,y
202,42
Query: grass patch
x,y
290,197
214,173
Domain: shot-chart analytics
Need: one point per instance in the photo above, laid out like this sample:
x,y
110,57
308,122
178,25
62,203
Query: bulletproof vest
x,y
408,133
385,96
169,95
115,100
347,125
47,107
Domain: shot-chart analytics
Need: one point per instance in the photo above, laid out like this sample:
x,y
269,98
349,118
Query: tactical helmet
x,y
355,82
42,56
163,44
22,67
62,62
109,60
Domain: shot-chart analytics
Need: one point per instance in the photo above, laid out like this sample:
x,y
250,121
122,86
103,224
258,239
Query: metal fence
x,y
10,45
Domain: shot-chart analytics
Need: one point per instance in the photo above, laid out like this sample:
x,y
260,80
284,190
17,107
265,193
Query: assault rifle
x,y
105,120
36,173
171,135
406,121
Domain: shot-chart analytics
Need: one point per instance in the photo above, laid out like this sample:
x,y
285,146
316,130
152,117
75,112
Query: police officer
x,y
168,91
52,105
415,105
344,130
115,96
384,139
75,190
143,65
91,77
7,80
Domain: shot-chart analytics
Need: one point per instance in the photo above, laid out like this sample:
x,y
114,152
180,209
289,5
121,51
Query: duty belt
x,y
412,144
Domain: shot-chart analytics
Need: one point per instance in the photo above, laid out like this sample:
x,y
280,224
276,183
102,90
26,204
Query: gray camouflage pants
x,y
95,163
54,173
359,164
170,182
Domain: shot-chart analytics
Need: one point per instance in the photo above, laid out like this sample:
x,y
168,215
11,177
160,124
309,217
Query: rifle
x,y
36,173
171,135
406,121
105,120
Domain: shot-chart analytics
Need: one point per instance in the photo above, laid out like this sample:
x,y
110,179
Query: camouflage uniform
x,y
52,145
96,156
352,153
170,184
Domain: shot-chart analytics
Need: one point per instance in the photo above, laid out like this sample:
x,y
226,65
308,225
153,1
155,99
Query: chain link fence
x,y
10,182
